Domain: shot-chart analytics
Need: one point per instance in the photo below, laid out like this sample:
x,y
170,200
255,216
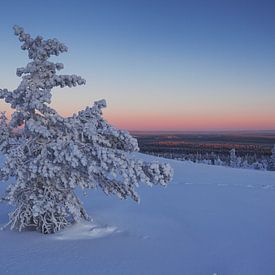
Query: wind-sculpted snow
x,y
85,230
49,155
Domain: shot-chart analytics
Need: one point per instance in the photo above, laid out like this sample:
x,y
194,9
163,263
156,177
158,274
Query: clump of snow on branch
x,y
48,156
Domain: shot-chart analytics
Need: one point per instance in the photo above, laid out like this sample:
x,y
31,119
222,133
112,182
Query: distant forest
x,y
236,149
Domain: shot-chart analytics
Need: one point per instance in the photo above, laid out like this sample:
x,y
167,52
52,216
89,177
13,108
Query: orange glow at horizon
x,y
160,121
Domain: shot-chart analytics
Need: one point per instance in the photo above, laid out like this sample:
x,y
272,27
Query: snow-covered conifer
x,y
272,164
233,158
48,156
218,161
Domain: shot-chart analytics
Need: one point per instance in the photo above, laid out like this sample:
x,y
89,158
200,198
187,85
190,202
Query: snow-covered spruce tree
x,y
273,158
48,156
232,158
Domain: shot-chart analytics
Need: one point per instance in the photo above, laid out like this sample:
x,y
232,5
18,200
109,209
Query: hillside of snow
x,y
209,220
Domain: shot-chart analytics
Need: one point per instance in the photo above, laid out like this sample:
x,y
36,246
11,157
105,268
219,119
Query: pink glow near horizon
x,y
198,122
161,121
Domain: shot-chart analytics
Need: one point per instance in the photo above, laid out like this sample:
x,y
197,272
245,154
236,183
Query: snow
x,y
209,220
85,230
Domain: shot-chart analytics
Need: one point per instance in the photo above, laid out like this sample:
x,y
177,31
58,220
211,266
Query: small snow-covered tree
x,y
48,156
258,165
233,158
218,161
272,158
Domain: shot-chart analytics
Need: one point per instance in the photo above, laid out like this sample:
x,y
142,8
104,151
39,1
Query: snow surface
x,y
209,220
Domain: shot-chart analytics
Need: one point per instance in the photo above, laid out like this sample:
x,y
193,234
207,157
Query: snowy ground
x,y
209,220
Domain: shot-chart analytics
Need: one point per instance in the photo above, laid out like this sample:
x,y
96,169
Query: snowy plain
x,y
208,220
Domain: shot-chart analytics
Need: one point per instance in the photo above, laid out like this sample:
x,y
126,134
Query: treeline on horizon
x,y
250,151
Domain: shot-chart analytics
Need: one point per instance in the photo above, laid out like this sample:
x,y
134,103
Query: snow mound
x,y
85,230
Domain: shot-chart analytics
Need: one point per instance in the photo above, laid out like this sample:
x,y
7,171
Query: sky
x,y
160,65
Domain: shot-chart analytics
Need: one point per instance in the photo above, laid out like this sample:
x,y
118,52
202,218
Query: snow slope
x,y
209,220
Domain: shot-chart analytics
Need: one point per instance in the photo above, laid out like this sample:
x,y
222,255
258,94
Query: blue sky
x,y
179,65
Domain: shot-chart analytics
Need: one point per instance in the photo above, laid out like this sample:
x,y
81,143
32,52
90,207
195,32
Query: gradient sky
x,y
161,65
